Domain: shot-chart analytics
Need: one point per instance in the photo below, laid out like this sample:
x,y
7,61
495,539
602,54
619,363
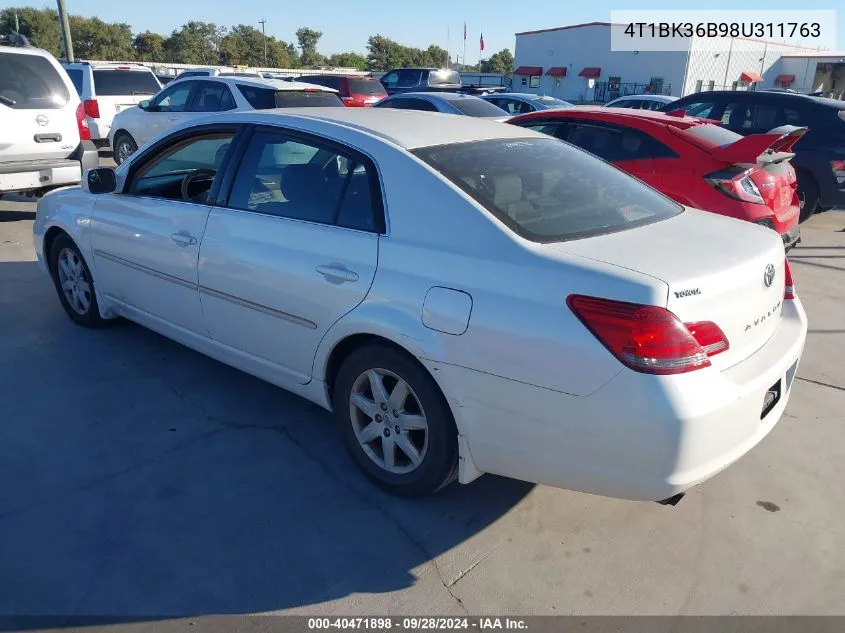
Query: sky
x,y
347,25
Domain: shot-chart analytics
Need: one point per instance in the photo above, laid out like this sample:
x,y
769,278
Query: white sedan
x,y
185,99
466,296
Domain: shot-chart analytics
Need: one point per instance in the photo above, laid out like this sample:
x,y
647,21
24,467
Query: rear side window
x,y
212,96
31,82
76,79
365,87
616,143
701,108
473,106
109,83
548,191
268,98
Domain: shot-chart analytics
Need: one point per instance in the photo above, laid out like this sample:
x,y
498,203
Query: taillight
x,y
838,167
648,339
736,185
789,286
82,124
92,108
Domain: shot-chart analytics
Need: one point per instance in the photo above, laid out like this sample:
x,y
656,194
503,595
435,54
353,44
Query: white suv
x,y
44,138
106,89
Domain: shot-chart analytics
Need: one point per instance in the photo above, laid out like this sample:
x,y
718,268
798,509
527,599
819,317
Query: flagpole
x,y
464,58
448,46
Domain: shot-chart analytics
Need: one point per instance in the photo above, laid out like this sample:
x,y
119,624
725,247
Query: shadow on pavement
x,y
140,480
16,216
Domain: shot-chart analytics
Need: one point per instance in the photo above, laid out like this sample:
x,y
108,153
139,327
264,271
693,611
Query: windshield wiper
x,y
7,101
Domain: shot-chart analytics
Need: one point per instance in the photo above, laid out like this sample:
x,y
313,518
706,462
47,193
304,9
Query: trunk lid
x,y
716,269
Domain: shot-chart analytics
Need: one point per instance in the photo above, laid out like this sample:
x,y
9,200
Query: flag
x,y
465,30
482,41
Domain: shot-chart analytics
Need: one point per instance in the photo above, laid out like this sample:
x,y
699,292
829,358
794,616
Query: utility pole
x,y
17,24
262,22
65,24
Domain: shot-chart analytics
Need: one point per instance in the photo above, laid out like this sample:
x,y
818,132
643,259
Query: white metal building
x,y
576,63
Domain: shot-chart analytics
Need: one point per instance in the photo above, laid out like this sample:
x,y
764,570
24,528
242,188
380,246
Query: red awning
x,y
556,71
750,77
590,72
785,80
529,70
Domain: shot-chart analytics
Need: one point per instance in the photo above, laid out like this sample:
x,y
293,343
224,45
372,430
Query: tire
x,y
808,194
68,266
124,147
436,445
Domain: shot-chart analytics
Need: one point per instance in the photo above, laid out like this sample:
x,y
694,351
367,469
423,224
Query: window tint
x,y
513,107
213,97
390,79
473,106
323,80
76,78
444,78
551,129
174,98
269,98
616,143
546,190
411,104
124,82
365,87
303,181
30,82
551,102
408,78
700,108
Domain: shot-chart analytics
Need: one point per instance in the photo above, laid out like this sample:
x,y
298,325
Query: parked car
x,y
44,137
219,72
641,102
185,99
354,90
819,156
107,89
466,296
524,102
445,102
693,161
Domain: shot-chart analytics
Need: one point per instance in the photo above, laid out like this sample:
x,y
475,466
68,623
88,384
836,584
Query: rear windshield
x,y
110,83
474,106
714,134
444,77
365,87
268,98
546,190
30,82
193,73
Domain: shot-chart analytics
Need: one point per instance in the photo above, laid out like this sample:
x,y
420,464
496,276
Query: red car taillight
x,y
648,339
738,186
789,286
92,108
82,124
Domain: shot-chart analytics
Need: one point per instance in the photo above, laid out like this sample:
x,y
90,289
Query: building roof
x,y
564,28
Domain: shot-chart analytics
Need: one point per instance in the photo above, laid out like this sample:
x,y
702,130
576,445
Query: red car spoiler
x,y
761,148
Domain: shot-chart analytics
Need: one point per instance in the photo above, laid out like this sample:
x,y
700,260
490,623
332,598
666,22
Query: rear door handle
x,y
183,239
337,273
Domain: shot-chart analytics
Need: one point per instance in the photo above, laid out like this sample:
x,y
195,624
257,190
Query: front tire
x,y
395,422
74,283
124,147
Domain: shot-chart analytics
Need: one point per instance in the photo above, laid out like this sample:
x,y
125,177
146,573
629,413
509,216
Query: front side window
x,y
174,98
213,96
548,191
124,82
390,79
30,82
301,180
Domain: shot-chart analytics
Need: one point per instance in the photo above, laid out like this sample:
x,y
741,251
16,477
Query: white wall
x,y
577,48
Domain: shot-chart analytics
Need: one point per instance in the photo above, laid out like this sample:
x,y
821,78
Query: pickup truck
x,y
401,80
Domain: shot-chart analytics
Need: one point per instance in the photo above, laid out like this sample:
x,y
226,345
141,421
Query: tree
x,y
195,43
437,57
308,40
501,62
95,39
243,45
149,47
348,60
40,26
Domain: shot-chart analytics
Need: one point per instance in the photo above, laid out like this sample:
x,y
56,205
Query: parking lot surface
x,y
141,479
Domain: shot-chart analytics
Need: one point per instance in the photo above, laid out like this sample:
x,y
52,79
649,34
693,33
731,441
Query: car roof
x,y
130,66
258,82
771,94
410,129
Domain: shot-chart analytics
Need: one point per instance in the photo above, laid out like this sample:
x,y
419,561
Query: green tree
x,y
281,54
501,62
437,57
384,53
40,26
244,45
348,60
95,39
195,43
149,47
308,39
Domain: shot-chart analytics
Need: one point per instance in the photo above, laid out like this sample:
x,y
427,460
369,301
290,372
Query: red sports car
x,y
692,160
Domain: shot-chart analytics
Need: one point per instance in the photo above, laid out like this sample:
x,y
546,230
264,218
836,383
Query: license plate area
x,y
771,398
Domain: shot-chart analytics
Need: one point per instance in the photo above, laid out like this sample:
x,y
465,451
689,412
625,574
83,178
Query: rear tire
x,y
124,147
400,430
74,283
808,194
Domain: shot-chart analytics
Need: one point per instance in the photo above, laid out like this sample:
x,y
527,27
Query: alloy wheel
x,y
74,282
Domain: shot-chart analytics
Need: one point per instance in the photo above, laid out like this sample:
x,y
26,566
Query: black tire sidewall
x,y
808,187
91,318
123,136
439,465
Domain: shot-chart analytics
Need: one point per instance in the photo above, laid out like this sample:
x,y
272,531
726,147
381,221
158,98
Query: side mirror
x,y
145,104
99,180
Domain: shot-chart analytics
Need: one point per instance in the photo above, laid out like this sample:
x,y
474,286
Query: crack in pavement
x,y
821,384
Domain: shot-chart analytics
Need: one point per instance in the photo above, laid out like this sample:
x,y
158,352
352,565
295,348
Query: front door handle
x,y
183,239
337,273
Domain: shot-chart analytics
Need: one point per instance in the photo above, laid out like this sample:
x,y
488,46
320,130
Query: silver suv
x,y
45,141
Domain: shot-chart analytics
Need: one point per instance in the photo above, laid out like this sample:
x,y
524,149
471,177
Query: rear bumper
x,y
639,437
31,175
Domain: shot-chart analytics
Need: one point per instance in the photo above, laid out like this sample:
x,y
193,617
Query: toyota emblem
x,y
42,120
769,275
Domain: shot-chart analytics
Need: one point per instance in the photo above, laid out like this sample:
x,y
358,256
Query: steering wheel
x,y
195,175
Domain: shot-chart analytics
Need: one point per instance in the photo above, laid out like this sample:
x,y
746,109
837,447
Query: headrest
x,y
507,189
